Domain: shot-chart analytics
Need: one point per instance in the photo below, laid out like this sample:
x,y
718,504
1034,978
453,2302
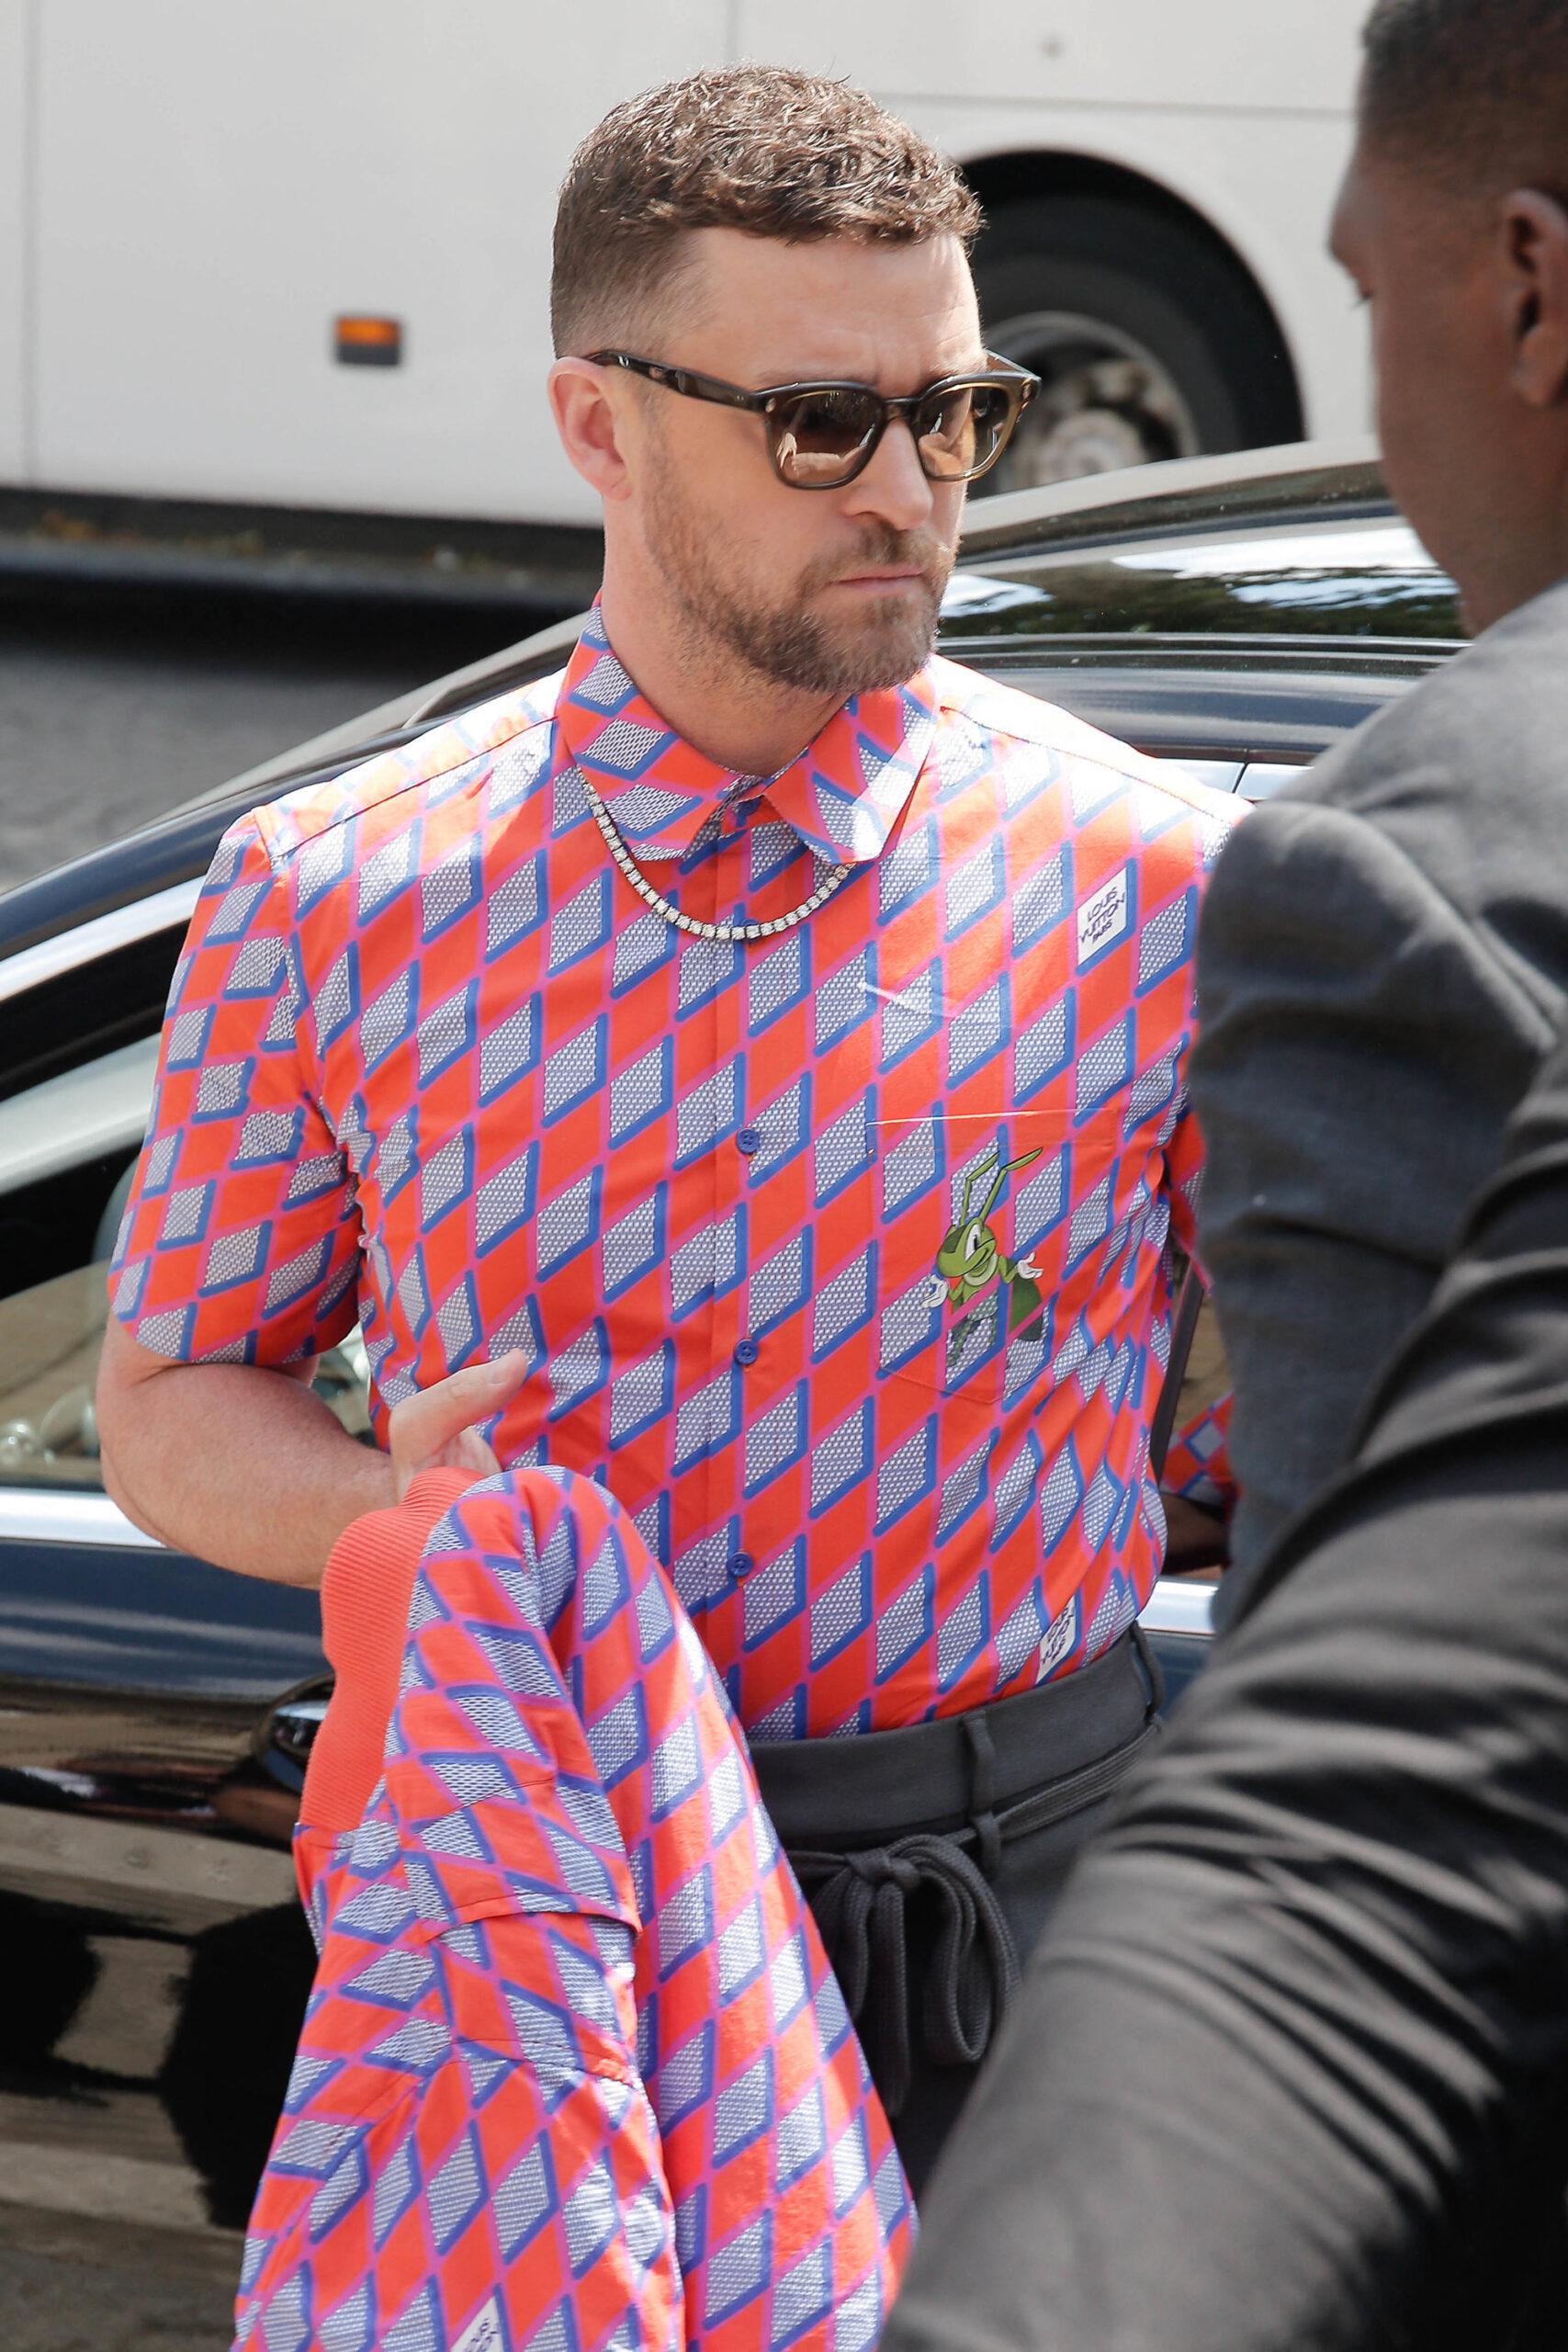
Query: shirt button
x,y
748,1139
747,1352
741,1567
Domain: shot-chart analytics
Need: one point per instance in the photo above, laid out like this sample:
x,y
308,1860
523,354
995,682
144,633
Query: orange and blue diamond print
x,y
430,1063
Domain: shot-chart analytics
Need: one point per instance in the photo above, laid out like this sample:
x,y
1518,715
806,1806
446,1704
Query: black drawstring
x,y
861,1903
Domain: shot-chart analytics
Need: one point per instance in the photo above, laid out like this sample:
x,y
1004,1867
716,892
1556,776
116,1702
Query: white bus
x,y
215,213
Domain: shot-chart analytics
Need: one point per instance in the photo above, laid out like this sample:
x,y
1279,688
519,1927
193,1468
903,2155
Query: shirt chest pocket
x,y
973,1214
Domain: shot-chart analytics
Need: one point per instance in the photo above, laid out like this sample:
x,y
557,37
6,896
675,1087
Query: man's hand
x,y
435,1430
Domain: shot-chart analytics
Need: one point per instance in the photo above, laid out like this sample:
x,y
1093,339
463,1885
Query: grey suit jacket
x,y
1382,963
1289,2069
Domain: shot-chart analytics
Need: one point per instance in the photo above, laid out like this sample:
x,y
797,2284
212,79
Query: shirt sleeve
x,y
241,1238
1184,1176
1197,1463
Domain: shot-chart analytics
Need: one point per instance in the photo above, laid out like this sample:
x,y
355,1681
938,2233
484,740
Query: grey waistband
x,y
846,1794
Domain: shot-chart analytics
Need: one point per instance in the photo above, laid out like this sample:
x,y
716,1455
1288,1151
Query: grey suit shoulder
x,y
1466,774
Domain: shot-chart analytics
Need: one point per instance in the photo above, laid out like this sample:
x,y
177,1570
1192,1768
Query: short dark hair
x,y
1472,92
752,147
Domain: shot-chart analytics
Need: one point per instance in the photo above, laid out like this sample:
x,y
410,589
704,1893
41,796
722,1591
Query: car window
x,y
67,1149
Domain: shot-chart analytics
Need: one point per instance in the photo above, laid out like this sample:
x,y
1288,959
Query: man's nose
x,y
893,487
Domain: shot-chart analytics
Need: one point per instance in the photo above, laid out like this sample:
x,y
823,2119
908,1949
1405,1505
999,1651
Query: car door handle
x,y
287,1731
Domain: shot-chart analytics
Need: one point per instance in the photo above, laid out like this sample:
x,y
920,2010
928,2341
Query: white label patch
x,y
483,2332
1104,917
1060,1636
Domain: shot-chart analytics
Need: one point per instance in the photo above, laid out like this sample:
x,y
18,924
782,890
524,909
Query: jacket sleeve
x,y
1289,2068
1360,1049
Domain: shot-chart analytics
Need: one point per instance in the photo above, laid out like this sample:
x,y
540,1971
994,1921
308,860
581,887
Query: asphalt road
x,y
117,704
74,2284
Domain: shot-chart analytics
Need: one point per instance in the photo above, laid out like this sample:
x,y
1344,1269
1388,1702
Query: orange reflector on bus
x,y
365,342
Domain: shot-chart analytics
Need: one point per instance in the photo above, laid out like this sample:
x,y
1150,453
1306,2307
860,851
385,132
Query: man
x,y
1327,1946
1289,2069
772,1036
1384,954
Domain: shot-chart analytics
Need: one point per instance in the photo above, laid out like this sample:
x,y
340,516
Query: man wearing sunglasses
x,y
772,1036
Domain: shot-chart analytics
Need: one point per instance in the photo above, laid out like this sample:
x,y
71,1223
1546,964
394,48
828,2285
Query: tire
x,y
1152,342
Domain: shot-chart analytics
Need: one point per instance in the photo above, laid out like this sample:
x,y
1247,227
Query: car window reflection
x,y
50,1334
67,1149
50,1338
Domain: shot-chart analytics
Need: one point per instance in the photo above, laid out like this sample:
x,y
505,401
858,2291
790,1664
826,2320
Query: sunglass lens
x,y
962,429
818,436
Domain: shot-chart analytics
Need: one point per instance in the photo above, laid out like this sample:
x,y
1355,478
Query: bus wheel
x,y
1151,343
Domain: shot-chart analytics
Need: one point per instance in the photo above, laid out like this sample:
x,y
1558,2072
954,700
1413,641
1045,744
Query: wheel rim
x,y
1105,401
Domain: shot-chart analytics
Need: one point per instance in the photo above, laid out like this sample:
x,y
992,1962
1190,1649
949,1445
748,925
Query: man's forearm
x,y
240,1467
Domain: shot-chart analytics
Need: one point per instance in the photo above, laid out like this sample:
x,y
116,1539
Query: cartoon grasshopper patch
x,y
974,1272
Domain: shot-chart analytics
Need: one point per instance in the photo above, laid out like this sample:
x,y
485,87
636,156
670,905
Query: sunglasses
x,y
820,435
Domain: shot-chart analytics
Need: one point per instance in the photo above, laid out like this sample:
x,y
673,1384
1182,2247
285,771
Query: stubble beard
x,y
788,643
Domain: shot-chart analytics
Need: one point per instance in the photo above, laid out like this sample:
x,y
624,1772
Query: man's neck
x,y
1495,599
741,720
1525,554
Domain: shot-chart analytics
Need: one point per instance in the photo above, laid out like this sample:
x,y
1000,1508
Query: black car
x,y
1238,615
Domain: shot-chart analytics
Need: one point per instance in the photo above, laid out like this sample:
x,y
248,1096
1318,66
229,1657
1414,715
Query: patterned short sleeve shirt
x,y
838,1257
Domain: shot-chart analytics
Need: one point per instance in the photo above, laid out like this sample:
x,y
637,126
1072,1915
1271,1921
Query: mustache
x,y
879,547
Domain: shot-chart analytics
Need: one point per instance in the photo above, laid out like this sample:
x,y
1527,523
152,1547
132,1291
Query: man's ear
x,y
1535,228
590,419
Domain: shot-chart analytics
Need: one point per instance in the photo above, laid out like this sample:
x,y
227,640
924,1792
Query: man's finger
x,y
421,1425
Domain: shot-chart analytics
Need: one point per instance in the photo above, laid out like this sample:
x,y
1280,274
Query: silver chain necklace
x,y
727,932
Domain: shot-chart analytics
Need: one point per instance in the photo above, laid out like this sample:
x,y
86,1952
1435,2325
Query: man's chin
x,y
824,645
888,640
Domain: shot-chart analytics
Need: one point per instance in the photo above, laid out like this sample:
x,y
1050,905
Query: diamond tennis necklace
x,y
727,932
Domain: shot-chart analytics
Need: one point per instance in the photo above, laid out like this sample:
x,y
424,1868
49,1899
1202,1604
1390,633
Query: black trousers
x,y
931,1858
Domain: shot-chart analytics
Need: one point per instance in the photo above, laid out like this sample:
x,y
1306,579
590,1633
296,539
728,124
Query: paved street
x,y
72,2285
117,703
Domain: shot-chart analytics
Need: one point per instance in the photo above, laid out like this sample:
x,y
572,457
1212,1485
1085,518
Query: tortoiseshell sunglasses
x,y
820,435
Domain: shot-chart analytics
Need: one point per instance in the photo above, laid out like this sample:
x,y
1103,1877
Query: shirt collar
x,y
843,796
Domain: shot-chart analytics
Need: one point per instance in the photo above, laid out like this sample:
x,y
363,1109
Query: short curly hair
x,y
1474,94
753,147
